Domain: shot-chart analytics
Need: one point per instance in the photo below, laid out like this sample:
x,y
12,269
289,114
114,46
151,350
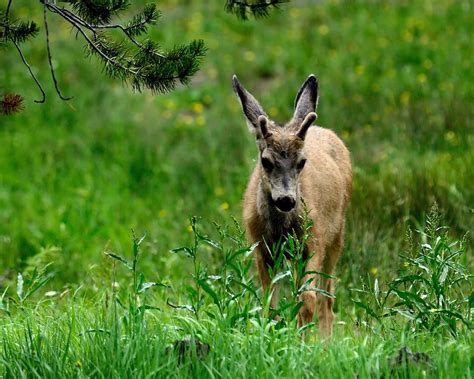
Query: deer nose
x,y
285,203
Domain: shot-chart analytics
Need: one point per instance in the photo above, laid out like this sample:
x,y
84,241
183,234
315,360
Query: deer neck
x,y
277,224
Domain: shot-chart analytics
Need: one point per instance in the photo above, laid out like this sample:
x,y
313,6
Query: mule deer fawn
x,y
298,167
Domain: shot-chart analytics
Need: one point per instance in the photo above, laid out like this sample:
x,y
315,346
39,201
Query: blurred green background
x,y
396,83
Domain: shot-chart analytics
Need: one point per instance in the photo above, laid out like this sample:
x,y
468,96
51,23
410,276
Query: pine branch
x,y
146,68
141,64
160,73
257,8
98,11
20,31
140,22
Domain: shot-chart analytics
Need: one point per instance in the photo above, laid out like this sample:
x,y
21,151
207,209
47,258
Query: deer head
x,y
282,156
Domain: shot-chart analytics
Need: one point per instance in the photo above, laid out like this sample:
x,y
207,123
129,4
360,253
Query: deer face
x,y
281,159
281,148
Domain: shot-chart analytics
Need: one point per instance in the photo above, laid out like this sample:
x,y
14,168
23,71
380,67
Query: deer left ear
x,y
307,98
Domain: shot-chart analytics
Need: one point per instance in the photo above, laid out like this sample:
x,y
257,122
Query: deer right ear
x,y
250,106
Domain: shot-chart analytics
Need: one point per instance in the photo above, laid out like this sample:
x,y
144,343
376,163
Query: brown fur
x,y
324,185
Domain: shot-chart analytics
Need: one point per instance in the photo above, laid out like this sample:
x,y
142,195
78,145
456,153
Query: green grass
x,y
396,84
54,347
219,324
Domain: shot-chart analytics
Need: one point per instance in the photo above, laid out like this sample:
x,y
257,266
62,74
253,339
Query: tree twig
x,y
8,9
94,28
43,99
72,21
48,47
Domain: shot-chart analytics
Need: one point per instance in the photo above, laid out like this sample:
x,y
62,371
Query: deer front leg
x,y
309,298
306,313
266,281
325,312
313,301
325,303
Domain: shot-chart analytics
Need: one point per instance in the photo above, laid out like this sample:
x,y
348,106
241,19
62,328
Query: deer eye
x,y
267,164
301,164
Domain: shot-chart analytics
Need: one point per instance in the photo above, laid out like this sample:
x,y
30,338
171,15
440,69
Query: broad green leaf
x,y
19,286
280,276
187,251
323,274
186,307
321,291
120,259
410,279
369,310
148,285
208,289
306,327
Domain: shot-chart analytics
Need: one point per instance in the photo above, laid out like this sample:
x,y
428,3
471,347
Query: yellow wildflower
x,y
278,51
407,36
212,72
450,136
200,120
382,42
224,206
323,29
427,64
405,97
295,12
197,107
357,98
425,40
170,104
186,119
421,77
359,70
249,56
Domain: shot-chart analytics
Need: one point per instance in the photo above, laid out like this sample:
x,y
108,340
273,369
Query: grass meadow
x,y
82,294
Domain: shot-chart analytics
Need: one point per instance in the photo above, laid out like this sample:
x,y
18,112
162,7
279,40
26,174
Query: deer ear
x,y
307,98
308,120
263,124
250,106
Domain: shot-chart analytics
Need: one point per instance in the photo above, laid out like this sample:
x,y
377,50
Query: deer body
x,y
298,167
